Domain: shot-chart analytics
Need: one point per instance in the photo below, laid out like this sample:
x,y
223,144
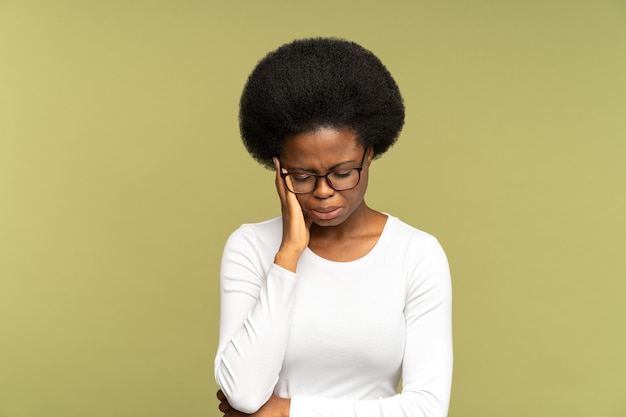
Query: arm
x,y
256,304
254,324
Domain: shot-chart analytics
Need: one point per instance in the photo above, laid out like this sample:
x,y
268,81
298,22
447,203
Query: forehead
x,y
321,149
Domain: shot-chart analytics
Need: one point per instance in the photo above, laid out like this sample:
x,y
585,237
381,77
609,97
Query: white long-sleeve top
x,y
336,337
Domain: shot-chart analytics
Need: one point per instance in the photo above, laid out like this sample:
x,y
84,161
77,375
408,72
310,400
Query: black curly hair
x,y
319,82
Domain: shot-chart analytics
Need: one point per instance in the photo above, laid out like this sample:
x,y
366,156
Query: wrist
x,y
286,407
287,259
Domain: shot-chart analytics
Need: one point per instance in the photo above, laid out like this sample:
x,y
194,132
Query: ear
x,y
370,155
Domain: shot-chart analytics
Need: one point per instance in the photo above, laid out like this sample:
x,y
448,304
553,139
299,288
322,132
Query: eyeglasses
x,y
339,179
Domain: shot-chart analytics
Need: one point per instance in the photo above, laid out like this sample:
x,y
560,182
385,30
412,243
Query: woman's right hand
x,y
274,407
296,227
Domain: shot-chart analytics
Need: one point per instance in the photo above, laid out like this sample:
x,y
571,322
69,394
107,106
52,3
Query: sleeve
x,y
427,362
255,313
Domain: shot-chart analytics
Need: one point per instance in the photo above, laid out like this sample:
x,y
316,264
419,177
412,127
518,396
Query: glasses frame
x,y
358,168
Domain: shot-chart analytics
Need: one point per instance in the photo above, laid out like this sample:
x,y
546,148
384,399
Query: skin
x,y
345,233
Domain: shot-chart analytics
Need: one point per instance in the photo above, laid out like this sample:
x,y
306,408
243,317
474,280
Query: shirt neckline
x,y
380,242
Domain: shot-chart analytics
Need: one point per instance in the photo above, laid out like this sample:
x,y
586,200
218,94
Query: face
x,y
319,152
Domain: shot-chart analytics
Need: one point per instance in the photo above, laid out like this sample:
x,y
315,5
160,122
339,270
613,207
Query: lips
x,y
326,213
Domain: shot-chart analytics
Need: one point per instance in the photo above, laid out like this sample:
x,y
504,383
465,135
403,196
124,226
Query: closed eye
x,y
342,174
300,177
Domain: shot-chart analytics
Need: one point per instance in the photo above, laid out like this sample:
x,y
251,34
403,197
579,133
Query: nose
x,y
322,188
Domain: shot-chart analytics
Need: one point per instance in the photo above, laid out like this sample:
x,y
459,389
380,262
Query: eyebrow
x,y
337,165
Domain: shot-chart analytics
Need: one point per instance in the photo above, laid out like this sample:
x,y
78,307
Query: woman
x,y
325,308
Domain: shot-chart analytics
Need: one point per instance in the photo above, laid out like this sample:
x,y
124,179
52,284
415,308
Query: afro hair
x,y
319,82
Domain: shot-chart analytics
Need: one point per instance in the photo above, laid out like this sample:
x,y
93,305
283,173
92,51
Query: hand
x,y
274,407
296,227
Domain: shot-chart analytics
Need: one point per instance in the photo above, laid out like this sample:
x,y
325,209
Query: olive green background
x,y
122,174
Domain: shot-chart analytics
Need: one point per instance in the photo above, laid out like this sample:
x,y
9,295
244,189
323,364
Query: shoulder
x,y
256,236
267,228
422,258
412,247
403,234
252,246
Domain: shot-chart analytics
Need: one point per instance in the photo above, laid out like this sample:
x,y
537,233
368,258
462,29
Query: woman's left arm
x,y
427,361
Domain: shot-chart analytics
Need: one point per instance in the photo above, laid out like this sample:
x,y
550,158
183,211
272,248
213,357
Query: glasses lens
x,y
302,183
344,180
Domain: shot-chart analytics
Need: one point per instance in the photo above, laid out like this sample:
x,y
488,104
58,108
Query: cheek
x,y
354,197
302,198
358,196
359,191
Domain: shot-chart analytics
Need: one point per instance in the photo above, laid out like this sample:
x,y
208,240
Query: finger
x,y
280,182
284,182
289,184
220,395
224,407
288,199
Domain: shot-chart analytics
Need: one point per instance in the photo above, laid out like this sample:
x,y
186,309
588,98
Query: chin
x,y
329,223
